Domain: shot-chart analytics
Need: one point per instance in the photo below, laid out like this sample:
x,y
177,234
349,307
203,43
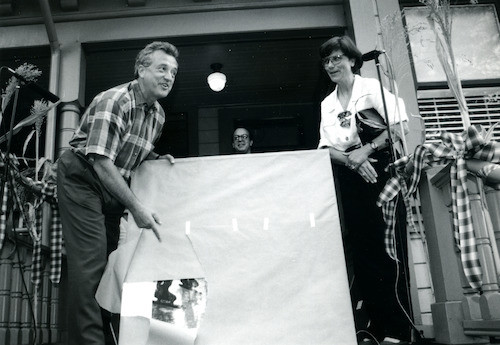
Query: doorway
x,y
274,84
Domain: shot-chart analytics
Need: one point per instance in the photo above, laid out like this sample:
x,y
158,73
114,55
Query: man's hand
x,y
147,219
168,157
116,185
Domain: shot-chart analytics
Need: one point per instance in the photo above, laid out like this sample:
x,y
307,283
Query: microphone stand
x,y
384,103
398,227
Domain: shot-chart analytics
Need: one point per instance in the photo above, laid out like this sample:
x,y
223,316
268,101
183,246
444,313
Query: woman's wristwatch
x,y
374,146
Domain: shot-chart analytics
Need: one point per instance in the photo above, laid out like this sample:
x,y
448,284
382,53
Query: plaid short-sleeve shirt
x,y
118,124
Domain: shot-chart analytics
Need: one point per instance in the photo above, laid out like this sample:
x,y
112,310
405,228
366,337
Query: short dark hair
x,y
144,56
346,46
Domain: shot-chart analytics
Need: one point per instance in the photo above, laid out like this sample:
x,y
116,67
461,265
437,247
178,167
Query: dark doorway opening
x,y
266,70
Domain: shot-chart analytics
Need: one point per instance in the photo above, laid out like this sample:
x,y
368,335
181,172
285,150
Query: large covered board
x,y
260,230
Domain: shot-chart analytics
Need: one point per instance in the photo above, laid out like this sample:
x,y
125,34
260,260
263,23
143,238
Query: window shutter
x,y
440,111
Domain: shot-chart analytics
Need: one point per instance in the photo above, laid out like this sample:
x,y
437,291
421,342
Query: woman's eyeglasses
x,y
334,59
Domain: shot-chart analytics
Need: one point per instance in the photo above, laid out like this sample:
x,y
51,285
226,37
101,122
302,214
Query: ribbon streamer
x,y
388,200
474,143
48,194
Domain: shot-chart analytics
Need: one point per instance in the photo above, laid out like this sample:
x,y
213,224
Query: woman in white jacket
x,y
353,129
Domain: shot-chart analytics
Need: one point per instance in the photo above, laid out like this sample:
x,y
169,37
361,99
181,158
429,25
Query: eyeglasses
x,y
345,118
334,59
238,137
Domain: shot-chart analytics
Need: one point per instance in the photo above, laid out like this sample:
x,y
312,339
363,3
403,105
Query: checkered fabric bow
x,y
48,194
456,148
9,190
3,213
388,200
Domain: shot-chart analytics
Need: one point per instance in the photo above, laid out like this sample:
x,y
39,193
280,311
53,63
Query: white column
x,y
72,89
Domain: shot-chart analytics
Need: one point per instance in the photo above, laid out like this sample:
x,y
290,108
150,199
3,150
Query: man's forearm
x,y
114,182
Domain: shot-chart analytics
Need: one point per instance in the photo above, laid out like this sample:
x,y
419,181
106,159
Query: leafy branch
x,y
29,72
440,21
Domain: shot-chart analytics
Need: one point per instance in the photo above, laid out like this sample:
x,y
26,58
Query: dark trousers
x,y
90,219
372,272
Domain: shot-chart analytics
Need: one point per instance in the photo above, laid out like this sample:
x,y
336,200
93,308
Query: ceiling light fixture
x,y
216,80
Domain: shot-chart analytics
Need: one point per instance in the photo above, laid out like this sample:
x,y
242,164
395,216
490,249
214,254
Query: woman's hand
x,y
359,160
367,172
356,157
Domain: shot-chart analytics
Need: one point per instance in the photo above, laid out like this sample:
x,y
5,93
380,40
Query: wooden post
x,y
27,323
16,300
5,285
37,298
489,300
446,270
493,202
45,306
54,314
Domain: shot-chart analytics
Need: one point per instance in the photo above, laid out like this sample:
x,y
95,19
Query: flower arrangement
x,y
29,72
25,185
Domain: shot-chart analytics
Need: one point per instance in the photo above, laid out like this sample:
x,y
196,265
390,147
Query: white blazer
x,y
365,95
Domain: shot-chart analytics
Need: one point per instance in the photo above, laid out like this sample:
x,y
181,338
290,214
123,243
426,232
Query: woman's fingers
x,y
367,172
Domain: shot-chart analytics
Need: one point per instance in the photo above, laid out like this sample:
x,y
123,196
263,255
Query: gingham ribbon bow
x,y
456,148
388,200
48,194
3,212
9,191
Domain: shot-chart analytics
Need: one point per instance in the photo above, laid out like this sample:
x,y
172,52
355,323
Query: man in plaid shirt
x,y
116,134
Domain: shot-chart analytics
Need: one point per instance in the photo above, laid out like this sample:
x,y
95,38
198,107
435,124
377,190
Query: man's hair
x,y
144,56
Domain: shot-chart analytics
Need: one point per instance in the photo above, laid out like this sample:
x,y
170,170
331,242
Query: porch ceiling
x,y
261,68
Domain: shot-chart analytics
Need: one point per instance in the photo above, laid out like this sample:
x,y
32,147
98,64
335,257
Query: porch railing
x,y
462,315
27,315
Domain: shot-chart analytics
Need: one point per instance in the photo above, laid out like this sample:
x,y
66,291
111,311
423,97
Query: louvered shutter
x,y
440,112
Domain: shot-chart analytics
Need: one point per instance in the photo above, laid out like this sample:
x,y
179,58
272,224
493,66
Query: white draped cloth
x,y
262,230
